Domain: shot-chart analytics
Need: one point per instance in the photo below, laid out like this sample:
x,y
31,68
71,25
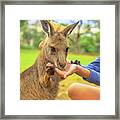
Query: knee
x,y
78,91
73,90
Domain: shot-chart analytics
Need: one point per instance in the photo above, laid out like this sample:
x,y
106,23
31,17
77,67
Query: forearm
x,y
89,75
83,72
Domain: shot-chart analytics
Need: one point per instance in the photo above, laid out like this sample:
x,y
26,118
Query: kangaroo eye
x,y
53,49
67,49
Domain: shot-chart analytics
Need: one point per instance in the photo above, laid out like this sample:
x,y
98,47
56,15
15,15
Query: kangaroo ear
x,y
69,29
47,27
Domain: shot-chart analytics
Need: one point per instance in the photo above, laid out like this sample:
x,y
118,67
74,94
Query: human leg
x,y
78,91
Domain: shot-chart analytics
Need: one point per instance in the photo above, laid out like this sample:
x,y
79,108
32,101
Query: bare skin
x,y
78,91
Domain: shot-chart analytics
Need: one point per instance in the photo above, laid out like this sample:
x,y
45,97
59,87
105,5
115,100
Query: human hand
x,y
71,68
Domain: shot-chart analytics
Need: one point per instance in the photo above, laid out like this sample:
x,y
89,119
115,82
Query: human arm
x,y
90,73
73,68
94,68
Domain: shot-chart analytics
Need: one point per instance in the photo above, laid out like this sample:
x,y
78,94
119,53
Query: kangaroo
x,y
39,82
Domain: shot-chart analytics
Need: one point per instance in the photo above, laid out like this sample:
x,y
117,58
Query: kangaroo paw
x,y
50,71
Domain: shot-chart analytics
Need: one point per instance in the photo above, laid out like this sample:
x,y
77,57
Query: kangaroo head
x,y
55,46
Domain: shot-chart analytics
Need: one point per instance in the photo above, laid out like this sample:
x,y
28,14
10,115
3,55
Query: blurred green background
x,y
84,39
84,46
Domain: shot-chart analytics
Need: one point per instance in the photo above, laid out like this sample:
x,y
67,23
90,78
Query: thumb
x,y
67,74
70,71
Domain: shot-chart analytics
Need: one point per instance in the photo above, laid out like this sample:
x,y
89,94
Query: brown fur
x,y
38,82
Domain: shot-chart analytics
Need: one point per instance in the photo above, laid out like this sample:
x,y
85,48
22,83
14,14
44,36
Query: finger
x,y
68,73
71,70
67,66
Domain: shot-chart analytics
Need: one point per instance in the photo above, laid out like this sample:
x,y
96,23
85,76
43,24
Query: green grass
x,y
28,57
84,59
